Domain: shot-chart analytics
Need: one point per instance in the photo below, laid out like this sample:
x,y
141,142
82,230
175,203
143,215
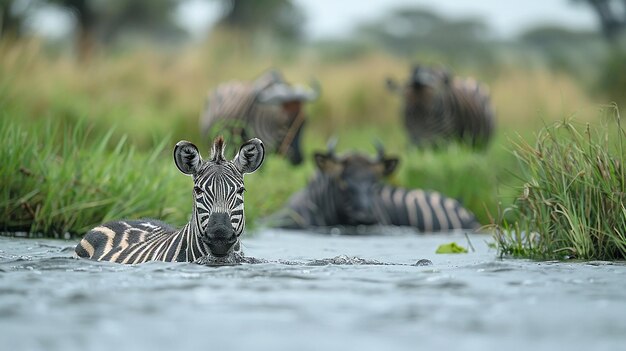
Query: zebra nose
x,y
220,234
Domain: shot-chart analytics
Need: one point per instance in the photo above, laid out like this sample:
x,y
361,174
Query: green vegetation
x,y
574,195
450,248
84,144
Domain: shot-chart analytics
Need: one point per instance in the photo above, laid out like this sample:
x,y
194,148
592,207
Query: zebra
x,y
267,108
348,191
216,223
439,108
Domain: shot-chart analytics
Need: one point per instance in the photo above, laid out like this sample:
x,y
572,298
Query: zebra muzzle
x,y
220,235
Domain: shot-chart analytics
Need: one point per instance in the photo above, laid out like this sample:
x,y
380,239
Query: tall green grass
x,y
572,203
58,182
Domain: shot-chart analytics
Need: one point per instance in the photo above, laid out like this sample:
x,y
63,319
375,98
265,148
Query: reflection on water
x,y
295,291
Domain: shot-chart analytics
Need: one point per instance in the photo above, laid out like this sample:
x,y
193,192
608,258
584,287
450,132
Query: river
x,y
316,292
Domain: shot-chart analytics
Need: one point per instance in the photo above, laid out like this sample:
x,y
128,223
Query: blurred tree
x,y
410,31
575,52
107,21
611,79
145,18
12,15
85,16
612,16
281,18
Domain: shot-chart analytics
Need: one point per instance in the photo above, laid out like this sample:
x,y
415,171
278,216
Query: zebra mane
x,y
217,151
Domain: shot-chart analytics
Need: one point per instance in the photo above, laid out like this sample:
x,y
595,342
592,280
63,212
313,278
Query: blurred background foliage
x,y
129,70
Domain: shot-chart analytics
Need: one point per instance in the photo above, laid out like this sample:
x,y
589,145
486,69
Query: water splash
x,y
230,260
340,260
346,260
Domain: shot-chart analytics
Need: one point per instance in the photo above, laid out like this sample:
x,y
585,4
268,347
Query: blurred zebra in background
x,y
216,223
439,108
347,191
267,108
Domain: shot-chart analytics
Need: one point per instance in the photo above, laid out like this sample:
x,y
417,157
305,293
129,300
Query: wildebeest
x,y
348,191
267,108
439,107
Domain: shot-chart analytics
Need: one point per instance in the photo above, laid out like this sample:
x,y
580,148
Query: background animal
x,y
217,218
349,191
439,108
267,108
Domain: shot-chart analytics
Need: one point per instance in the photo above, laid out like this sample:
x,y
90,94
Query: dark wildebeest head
x,y
218,216
425,97
422,78
353,180
274,92
421,87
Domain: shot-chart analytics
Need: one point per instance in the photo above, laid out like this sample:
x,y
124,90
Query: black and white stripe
x,y
141,241
217,220
347,191
428,211
439,108
267,108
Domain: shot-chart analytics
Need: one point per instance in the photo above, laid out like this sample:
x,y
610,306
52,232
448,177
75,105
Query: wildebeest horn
x,y
380,150
330,146
316,89
392,85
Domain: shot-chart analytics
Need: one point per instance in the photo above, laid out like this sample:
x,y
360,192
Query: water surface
x,y
316,292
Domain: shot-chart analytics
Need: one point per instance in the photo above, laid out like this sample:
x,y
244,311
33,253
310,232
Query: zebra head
x,y
218,217
353,179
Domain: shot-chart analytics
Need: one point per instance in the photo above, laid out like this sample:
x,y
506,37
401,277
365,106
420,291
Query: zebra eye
x,y
241,190
197,190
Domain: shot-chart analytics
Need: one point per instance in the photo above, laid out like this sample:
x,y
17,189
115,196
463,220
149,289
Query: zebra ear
x,y
187,157
389,165
250,156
